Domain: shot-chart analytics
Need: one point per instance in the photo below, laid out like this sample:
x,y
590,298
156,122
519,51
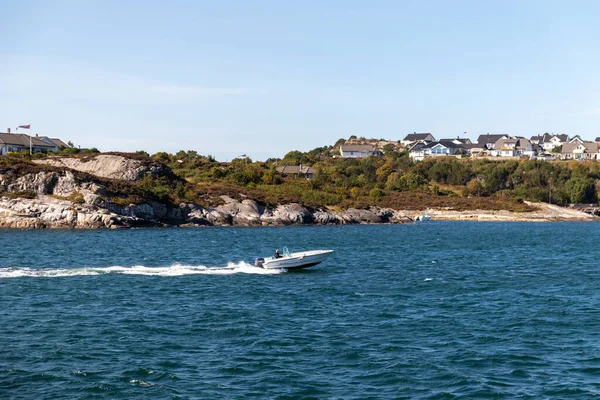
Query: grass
x,y
23,194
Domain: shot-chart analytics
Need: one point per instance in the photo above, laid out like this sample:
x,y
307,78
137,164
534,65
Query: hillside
x,y
125,190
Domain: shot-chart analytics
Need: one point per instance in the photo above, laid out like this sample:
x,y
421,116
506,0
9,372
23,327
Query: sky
x,y
262,78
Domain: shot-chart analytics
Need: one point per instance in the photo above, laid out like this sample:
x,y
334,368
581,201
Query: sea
x,y
433,310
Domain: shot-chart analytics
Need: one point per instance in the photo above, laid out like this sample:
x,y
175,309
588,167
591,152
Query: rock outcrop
x,y
60,196
108,166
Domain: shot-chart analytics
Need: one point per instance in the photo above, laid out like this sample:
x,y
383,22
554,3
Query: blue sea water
x,y
437,310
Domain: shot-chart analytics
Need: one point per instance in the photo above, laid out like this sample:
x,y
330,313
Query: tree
x,y
473,188
389,148
295,157
581,190
412,181
162,156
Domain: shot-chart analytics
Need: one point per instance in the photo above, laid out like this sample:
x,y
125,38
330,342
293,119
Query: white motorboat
x,y
287,260
423,217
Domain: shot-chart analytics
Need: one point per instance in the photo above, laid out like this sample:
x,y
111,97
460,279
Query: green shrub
x,y
377,193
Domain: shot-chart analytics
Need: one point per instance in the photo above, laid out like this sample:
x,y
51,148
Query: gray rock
x,y
246,212
287,214
108,166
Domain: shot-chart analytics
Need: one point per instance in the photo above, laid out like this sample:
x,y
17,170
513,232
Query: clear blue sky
x,y
265,77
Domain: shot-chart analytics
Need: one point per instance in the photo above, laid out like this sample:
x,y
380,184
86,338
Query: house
x,y
359,151
457,140
435,149
475,149
513,147
576,138
416,151
579,151
56,142
488,141
417,137
525,148
444,148
551,141
19,142
297,170
545,157
536,139
505,147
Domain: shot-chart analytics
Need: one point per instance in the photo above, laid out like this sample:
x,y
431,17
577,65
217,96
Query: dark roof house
x,y
536,139
562,138
16,142
415,137
297,170
457,140
488,141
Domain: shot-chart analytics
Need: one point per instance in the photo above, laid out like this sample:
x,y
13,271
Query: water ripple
x,y
499,314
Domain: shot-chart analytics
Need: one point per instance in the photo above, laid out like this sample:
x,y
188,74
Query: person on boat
x,y
277,255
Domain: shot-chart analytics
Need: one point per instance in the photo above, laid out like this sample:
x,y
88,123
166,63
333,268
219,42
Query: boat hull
x,y
299,260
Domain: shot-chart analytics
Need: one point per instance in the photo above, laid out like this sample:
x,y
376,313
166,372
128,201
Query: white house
x,y
416,152
513,147
420,151
537,139
551,141
19,142
576,138
579,151
359,151
417,137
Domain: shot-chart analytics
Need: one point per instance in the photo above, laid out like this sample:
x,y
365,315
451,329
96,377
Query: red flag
x,y
28,126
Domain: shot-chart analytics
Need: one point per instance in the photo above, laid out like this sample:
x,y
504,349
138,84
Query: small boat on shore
x,y
287,260
423,217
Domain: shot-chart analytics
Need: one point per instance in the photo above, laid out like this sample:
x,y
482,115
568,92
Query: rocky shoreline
x,y
48,212
66,194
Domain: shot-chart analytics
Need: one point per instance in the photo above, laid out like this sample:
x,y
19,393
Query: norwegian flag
x,y
28,126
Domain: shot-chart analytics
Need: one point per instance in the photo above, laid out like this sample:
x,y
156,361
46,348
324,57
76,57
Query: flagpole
x,y
28,126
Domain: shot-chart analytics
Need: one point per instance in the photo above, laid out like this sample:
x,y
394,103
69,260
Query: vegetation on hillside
x,y
393,180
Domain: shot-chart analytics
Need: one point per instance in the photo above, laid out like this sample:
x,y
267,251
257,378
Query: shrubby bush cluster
x,y
392,180
373,180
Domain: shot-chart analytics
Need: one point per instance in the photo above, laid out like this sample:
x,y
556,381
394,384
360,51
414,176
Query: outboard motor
x,y
258,262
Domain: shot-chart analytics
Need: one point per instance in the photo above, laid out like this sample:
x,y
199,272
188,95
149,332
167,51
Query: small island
x,y
354,181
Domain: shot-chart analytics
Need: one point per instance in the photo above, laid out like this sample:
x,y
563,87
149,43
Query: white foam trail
x,y
173,270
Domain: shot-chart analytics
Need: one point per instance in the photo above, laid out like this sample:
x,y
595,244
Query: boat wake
x,y
173,270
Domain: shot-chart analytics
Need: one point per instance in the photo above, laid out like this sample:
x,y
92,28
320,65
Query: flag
x,y
28,126
243,156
